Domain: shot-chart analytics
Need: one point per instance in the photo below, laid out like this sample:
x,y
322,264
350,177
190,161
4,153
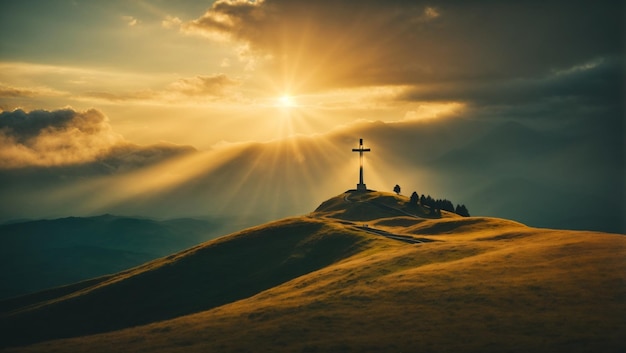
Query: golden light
x,y
287,101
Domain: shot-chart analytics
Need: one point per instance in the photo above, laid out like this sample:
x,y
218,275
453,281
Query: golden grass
x,y
489,285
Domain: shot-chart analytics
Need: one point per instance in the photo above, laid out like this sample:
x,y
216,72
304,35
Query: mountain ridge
x,y
41,254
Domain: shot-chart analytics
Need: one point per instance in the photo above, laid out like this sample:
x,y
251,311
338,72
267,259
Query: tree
x,y
414,199
396,189
445,205
461,210
429,202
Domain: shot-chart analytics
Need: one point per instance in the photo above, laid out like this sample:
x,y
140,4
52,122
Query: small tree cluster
x,y
437,205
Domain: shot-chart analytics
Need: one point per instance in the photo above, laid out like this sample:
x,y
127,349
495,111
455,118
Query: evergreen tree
x,y
414,199
446,205
430,202
461,210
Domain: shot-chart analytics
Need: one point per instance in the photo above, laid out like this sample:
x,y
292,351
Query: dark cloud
x,y
24,126
62,137
417,42
551,64
598,82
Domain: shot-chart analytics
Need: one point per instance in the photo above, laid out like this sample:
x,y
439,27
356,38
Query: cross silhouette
x,y
361,185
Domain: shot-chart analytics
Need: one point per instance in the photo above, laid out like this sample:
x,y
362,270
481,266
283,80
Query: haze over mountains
x,y
566,176
37,255
364,272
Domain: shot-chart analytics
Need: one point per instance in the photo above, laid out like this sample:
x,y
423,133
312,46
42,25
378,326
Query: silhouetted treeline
x,y
437,205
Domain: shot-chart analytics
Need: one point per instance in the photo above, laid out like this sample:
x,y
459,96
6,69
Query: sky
x,y
117,86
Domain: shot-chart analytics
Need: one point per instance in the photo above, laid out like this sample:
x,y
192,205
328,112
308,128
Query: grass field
x,y
317,283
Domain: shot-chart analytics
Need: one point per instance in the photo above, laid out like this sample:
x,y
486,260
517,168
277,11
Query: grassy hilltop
x,y
365,272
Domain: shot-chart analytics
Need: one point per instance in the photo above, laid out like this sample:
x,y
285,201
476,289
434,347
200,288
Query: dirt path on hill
x,y
403,238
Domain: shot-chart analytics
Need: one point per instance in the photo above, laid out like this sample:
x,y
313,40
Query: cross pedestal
x,y
361,185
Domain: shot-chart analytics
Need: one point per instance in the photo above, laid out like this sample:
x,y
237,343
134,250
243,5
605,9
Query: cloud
x,y
65,137
431,13
143,95
12,92
597,82
345,43
216,86
27,92
53,138
171,22
130,21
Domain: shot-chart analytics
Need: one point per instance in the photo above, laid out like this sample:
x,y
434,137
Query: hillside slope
x,y
206,276
329,282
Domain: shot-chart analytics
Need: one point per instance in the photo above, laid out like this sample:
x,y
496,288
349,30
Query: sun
x,y
286,101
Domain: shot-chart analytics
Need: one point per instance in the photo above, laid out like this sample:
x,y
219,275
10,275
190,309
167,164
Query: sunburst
x,y
287,101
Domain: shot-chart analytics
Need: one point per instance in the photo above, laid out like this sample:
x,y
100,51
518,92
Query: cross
x,y
361,185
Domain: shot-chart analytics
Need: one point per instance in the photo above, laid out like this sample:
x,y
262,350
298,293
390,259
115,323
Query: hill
x,y
35,255
363,273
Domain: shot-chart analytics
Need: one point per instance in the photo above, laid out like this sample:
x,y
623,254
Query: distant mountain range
x,y
364,272
35,255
